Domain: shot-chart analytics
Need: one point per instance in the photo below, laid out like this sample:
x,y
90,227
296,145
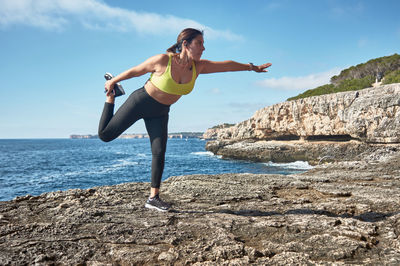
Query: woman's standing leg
x,y
157,127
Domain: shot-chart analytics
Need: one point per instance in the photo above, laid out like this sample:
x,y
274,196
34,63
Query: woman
x,y
173,75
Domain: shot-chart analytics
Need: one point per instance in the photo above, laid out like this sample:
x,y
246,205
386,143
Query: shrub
x,y
224,125
392,77
359,77
344,85
374,67
355,84
324,89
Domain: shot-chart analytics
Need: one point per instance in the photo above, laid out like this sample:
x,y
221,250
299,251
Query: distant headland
x,y
179,135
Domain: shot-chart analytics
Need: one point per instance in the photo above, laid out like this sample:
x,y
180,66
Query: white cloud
x,y
274,6
299,83
351,9
215,91
245,106
362,43
96,15
398,33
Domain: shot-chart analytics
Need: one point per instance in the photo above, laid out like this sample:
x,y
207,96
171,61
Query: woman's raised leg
x,y
113,125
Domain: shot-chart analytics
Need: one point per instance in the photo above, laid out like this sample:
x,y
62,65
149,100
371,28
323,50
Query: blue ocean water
x,y
42,165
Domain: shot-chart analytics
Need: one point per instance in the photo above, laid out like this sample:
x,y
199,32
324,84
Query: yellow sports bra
x,y
167,84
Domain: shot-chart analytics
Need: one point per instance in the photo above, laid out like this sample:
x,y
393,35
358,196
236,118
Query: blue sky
x,y
54,54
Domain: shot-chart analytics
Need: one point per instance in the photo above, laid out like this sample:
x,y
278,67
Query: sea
x,y
36,166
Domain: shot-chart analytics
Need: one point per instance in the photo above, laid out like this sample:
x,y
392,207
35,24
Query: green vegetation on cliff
x,y
392,77
359,77
224,125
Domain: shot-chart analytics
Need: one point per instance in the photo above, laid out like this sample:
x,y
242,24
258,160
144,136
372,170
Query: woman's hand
x,y
109,86
261,68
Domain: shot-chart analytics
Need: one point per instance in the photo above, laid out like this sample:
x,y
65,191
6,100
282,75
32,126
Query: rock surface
x,y
314,152
342,213
371,115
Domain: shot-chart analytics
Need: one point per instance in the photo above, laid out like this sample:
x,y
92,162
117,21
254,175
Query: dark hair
x,y
186,35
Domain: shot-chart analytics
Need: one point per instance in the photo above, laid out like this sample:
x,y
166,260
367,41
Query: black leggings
x,y
140,105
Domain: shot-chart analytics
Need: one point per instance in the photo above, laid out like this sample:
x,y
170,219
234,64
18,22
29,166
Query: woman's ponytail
x,y
186,35
172,49
177,47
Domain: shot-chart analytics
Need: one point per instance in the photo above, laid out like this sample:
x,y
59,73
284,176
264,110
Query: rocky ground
x,y
341,213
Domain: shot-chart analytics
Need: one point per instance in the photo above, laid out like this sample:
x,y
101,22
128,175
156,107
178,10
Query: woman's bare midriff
x,y
159,95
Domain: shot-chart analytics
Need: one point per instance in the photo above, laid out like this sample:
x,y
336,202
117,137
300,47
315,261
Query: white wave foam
x,y
300,165
206,153
123,163
203,153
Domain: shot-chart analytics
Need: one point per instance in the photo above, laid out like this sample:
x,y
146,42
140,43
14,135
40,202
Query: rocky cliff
x,y
337,126
336,214
371,115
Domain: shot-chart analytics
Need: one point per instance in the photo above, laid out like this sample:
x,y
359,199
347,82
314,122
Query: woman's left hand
x,y
261,68
109,86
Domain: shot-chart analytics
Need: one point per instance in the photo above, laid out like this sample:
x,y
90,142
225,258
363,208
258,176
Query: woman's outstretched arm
x,y
206,66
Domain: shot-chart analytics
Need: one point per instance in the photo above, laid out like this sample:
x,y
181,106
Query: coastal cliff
x,y
371,115
332,126
337,213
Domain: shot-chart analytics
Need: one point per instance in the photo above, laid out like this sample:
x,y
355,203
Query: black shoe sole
x,y
149,206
